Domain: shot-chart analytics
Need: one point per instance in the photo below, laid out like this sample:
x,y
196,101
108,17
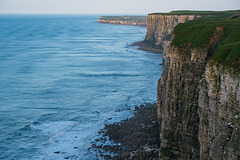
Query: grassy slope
x,y
222,14
199,32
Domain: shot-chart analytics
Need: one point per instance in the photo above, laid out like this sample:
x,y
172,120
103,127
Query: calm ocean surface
x,y
61,77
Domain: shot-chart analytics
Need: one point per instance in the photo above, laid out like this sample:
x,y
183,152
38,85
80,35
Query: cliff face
x,y
198,108
198,98
178,104
160,28
219,110
124,20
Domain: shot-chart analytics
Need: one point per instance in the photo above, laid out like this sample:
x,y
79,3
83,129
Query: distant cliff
x,y
199,90
160,28
124,20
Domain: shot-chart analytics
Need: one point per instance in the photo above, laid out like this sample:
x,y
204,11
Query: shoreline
x,y
123,24
146,46
136,137
124,20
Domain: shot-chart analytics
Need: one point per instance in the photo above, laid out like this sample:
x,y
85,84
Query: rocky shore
x,y
134,138
198,92
145,46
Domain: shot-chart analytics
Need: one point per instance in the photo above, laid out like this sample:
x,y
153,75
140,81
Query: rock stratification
x,y
219,108
198,97
124,20
160,28
178,104
198,108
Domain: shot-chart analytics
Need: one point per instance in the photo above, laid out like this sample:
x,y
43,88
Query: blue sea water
x,y
62,77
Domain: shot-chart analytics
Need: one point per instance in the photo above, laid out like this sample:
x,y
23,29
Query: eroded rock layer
x,y
219,108
198,97
178,104
160,28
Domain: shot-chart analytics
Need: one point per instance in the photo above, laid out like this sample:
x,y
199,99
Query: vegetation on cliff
x,y
198,96
220,14
125,18
200,33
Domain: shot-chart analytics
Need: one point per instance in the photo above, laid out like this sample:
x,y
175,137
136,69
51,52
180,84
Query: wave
x,y
55,129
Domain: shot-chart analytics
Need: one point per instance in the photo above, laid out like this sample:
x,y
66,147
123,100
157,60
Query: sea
x,y
63,77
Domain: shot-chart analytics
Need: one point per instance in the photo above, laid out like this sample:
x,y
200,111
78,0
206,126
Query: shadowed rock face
x,y
198,108
219,109
198,99
178,104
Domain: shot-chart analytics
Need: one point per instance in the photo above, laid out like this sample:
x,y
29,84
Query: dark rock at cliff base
x,y
145,46
136,137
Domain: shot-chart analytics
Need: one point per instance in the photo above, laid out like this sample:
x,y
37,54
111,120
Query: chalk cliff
x,y
124,20
219,108
178,106
160,28
198,108
198,96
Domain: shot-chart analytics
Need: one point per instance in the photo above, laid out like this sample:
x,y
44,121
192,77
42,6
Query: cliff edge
x,y
124,20
160,28
199,90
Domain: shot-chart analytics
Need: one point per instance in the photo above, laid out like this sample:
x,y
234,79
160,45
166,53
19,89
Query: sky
x,y
111,6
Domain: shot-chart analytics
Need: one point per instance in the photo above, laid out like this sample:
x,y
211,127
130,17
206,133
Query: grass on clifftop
x,y
220,14
197,34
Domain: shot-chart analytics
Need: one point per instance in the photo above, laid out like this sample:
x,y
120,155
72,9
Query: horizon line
x,y
19,13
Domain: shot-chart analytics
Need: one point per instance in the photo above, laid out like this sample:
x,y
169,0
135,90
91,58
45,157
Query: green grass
x,y
197,34
222,14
